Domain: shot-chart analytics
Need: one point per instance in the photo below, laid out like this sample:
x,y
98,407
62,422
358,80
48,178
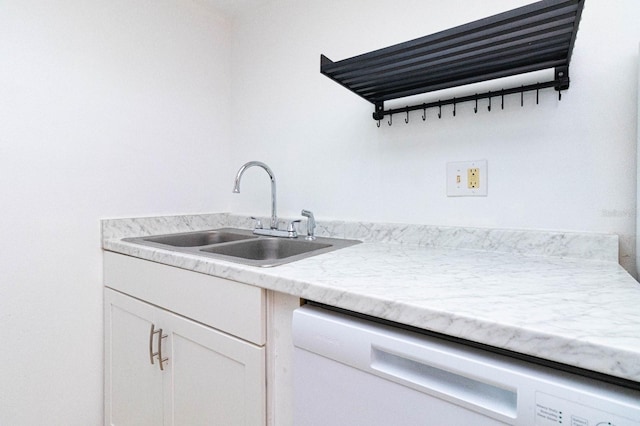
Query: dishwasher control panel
x,y
554,411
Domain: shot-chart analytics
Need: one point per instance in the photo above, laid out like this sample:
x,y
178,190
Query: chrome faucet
x,y
290,232
236,187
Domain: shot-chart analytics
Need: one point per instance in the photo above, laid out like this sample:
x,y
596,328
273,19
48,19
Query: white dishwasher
x,y
352,371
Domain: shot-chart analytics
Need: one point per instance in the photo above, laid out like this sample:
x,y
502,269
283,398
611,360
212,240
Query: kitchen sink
x,y
196,239
267,249
242,246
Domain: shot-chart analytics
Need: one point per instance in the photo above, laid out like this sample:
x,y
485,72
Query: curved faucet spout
x,y
236,187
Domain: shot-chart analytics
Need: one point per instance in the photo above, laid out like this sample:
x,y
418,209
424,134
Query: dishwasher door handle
x,y
445,384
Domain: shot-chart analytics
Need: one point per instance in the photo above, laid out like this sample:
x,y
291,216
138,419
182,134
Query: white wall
x,y
110,108
566,165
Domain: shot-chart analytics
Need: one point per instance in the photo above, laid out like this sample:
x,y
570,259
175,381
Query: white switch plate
x,y
458,174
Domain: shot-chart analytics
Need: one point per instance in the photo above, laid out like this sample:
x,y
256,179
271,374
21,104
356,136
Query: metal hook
x,y
406,120
559,95
489,107
454,107
390,122
424,114
521,96
502,105
475,109
439,110
378,123
537,96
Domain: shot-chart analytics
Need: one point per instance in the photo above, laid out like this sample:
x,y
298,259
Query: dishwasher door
x,y
350,371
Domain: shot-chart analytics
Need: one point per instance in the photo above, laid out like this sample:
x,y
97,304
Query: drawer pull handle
x,y
158,354
152,354
160,359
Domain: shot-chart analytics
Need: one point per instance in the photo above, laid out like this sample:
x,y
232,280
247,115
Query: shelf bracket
x,y
378,114
562,77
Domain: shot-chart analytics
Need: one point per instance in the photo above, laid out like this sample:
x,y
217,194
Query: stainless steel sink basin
x,y
242,246
267,249
197,239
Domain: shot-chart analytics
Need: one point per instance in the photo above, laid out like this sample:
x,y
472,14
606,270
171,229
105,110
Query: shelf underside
x,y
531,38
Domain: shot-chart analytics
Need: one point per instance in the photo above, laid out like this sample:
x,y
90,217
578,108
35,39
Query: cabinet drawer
x,y
235,308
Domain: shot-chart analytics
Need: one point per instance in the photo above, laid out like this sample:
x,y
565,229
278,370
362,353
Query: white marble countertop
x,y
580,310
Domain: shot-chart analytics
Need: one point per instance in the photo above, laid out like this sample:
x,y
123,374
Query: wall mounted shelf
x,y
530,38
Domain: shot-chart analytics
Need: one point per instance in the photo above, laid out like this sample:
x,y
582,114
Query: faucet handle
x,y
291,228
258,222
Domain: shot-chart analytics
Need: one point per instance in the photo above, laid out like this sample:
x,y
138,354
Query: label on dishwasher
x,y
552,410
548,415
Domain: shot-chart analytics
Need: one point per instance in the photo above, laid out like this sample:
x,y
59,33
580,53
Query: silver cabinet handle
x,y
160,359
152,354
158,354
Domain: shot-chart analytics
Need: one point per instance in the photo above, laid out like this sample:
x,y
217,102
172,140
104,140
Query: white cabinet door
x,y
209,377
133,386
215,379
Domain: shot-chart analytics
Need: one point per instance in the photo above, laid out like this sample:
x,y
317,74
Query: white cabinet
x,y
210,375
133,387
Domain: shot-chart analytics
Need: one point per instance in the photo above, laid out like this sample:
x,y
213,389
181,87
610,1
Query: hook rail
x,y
381,112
